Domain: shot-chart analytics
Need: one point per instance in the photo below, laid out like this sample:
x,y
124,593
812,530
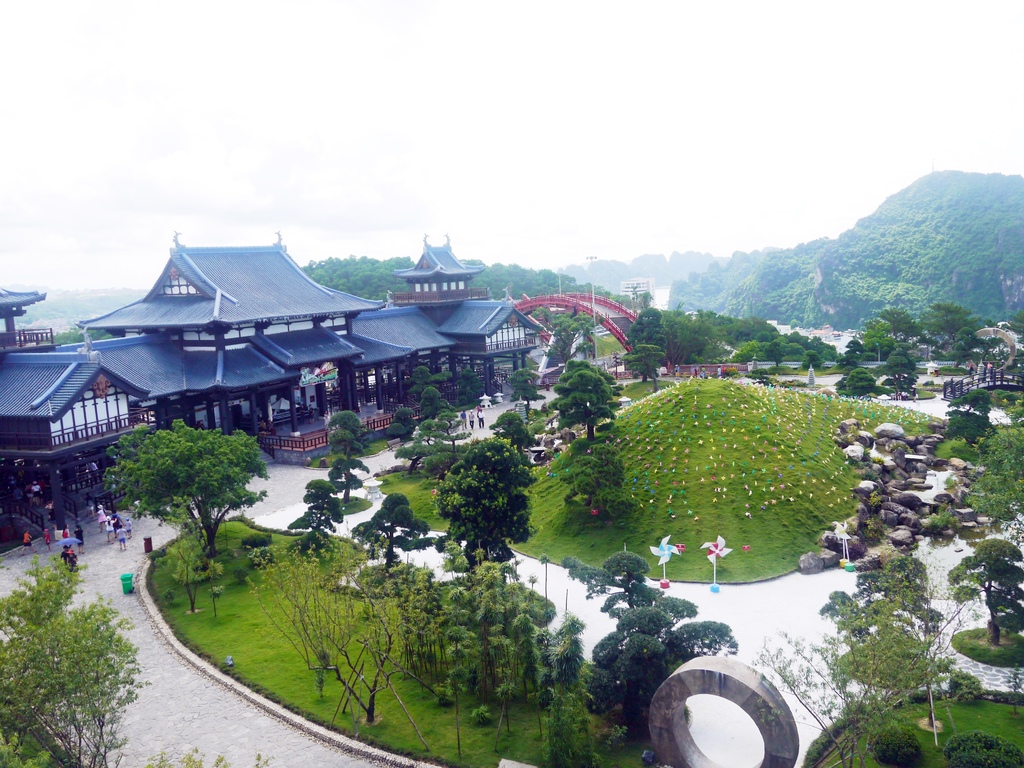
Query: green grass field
x,y
266,662
973,643
419,489
703,455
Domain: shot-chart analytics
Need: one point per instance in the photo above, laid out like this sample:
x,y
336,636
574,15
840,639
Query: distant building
x,y
637,286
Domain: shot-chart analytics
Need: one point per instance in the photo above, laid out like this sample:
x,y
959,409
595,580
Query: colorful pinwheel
x,y
664,551
716,549
843,537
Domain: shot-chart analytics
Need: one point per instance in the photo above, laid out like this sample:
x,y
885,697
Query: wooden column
x,y
225,416
398,378
378,385
293,417
57,494
254,413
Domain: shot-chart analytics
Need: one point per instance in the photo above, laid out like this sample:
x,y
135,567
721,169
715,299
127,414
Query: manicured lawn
x,y
418,488
266,662
997,719
710,452
639,389
973,643
372,449
608,345
957,448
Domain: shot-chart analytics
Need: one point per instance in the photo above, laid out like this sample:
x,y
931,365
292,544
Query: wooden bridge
x,y
611,314
954,388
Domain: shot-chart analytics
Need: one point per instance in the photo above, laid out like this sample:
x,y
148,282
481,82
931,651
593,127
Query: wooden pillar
x,y
488,376
401,387
57,494
211,415
225,415
292,415
9,324
378,384
254,413
515,363
453,364
320,392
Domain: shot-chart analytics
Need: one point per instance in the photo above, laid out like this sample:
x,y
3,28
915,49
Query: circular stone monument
x,y
736,682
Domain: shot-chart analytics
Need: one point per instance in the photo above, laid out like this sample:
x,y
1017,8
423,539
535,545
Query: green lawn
x,y
973,643
608,345
957,448
997,719
418,488
267,663
372,449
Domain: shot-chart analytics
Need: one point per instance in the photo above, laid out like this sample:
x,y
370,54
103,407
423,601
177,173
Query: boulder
x,y
966,515
890,430
908,500
889,518
888,464
829,559
829,540
943,498
892,506
870,562
865,488
567,436
848,425
899,474
855,452
901,536
911,521
857,548
958,465
865,438
900,457
810,562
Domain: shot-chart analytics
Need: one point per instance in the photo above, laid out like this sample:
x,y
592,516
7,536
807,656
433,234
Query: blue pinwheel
x,y
664,551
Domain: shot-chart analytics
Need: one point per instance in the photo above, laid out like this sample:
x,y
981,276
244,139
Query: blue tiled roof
x,y
314,345
15,299
235,285
438,260
22,385
401,327
482,318
377,351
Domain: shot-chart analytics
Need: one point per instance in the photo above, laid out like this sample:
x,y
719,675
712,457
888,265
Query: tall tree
x,y
346,435
969,416
510,427
999,493
68,672
566,331
484,499
943,320
597,473
647,329
904,328
568,742
421,378
394,526
584,396
182,473
901,368
646,359
623,577
469,386
877,340
994,574
323,510
691,339
431,403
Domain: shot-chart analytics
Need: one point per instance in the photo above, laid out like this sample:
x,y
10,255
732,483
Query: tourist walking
x,y
26,544
101,517
121,539
46,538
480,419
109,529
80,535
128,525
463,417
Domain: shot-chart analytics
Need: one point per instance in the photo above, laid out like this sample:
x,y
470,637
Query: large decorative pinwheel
x,y
716,549
664,551
844,538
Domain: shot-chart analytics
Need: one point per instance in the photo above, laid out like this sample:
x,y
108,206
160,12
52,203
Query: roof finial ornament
x,y
447,241
279,242
177,243
86,348
425,243
508,295
391,299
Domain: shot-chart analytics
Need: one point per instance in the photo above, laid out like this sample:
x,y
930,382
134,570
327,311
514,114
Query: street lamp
x,y
593,306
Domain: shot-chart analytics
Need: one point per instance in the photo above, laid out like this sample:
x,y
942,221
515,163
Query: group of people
x,y
468,418
32,491
116,526
69,554
986,370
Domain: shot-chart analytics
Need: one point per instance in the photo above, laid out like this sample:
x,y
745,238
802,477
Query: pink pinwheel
x,y
716,549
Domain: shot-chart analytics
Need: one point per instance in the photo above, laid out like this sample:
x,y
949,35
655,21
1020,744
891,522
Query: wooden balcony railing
x,y
33,338
437,297
482,348
27,441
308,441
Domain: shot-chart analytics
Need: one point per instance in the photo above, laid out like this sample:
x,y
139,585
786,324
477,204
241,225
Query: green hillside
x,y
950,236
711,453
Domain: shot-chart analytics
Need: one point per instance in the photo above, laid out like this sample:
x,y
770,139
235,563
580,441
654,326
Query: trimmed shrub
x,y
977,749
963,686
261,557
444,696
241,573
257,540
897,745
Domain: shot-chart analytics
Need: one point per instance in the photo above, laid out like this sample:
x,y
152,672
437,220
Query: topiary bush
x,y
257,540
241,573
897,745
977,749
963,686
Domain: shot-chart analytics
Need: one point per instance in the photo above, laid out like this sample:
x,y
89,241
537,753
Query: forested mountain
x,y
611,274
950,236
63,309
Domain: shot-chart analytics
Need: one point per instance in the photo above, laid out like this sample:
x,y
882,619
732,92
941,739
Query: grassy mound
x,y
973,643
713,458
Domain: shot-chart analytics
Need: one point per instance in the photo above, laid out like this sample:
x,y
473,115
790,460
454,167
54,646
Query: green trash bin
x,y
126,583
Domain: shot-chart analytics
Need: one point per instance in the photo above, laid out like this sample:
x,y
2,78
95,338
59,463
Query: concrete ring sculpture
x,y
1007,339
736,682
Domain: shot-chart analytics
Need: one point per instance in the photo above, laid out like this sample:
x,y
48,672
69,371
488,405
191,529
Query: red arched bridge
x,y
612,315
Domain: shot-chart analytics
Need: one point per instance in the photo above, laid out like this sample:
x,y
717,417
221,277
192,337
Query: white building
x,y
637,286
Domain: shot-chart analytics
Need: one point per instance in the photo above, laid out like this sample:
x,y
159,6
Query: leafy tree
x,y
191,566
943,320
469,386
902,325
565,332
597,473
776,351
998,493
363,276
584,396
196,759
647,329
346,435
811,359
435,444
623,572
524,387
431,403
691,339
394,526
181,474
484,499
994,573
568,742
403,424
977,749
965,345
877,340
647,644
646,359
857,383
323,510
421,378
68,672
510,427
853,355
901,368
969,416
11,754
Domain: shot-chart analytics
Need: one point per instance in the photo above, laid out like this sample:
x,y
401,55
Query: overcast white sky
x,y
532,132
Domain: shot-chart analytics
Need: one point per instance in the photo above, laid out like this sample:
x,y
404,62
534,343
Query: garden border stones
x,y
731,680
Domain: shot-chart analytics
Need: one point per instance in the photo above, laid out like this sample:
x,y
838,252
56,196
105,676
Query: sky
x,y
536,133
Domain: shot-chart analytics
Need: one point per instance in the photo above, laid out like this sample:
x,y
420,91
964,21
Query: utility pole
x,y
593,306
